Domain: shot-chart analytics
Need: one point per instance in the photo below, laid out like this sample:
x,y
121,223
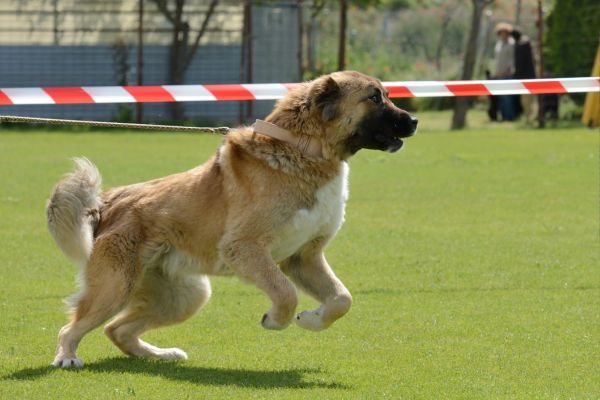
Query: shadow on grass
x,y
260,379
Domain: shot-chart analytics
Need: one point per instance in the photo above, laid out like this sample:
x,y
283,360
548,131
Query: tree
x,y
462,103
311,31
311,34
182,52
572,37
448,9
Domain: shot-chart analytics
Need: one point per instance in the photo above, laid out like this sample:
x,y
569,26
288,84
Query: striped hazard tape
x,y
273,91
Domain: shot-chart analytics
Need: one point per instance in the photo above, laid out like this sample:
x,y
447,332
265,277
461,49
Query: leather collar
x,y
304,143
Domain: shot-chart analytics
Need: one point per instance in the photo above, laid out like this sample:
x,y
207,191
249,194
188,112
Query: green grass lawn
x,y
473,259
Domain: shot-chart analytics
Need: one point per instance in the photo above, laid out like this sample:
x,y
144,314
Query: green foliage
x,y
571,108
124,113
434,103
472,258
396,45
390,4
573,29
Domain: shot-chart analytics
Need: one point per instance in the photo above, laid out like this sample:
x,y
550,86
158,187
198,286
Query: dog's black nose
x,y
414,121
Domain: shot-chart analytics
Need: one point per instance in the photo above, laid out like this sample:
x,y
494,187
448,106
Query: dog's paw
x,y
67,363
268,322
173,354
311,320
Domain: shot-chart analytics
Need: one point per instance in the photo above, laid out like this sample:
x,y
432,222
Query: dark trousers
x,y
509,106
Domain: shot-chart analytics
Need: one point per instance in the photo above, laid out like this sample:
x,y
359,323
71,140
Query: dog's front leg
x,y
253,263
311,272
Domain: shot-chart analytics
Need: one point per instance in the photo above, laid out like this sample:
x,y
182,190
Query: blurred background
x,y
155,42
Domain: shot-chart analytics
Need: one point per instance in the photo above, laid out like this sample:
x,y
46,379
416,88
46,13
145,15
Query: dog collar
x,y
304,143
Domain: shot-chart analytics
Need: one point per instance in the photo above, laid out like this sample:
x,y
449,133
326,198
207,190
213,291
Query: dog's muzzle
x,y
403,128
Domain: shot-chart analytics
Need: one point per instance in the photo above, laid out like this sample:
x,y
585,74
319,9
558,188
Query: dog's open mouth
x,y
395,145
395,142
391,143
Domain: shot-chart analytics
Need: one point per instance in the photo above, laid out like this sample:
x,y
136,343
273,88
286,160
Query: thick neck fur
x,y
282,157
296,114
299,114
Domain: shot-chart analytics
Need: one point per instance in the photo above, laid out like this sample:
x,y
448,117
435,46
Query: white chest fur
x,y
323,219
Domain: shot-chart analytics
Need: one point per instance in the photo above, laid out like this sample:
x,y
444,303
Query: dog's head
x,y
347,111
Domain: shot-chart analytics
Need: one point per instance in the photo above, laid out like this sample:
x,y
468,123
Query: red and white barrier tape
x,y
273,91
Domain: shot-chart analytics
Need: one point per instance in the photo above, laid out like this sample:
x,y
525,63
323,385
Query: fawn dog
x,y
263,208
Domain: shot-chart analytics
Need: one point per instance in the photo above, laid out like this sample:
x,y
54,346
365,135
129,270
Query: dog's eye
x,y
376,98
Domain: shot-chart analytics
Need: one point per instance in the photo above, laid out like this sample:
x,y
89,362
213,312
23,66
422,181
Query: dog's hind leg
x,y
310,271
104,293
160,300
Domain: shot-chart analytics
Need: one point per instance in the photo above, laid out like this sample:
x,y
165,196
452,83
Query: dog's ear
x,y
326,94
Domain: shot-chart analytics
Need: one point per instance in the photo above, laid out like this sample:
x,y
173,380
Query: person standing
x,y
524,68
504,60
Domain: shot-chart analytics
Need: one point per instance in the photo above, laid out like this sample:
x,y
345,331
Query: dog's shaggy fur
x,y
259,209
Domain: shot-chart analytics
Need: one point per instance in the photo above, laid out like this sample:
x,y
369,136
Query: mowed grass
x,y
473,259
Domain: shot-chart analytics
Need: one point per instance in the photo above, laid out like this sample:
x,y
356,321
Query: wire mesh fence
x,y
97,43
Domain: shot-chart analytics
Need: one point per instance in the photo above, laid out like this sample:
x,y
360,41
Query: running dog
x,y
263,208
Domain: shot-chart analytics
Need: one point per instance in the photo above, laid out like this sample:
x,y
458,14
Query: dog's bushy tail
x,y
73,211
